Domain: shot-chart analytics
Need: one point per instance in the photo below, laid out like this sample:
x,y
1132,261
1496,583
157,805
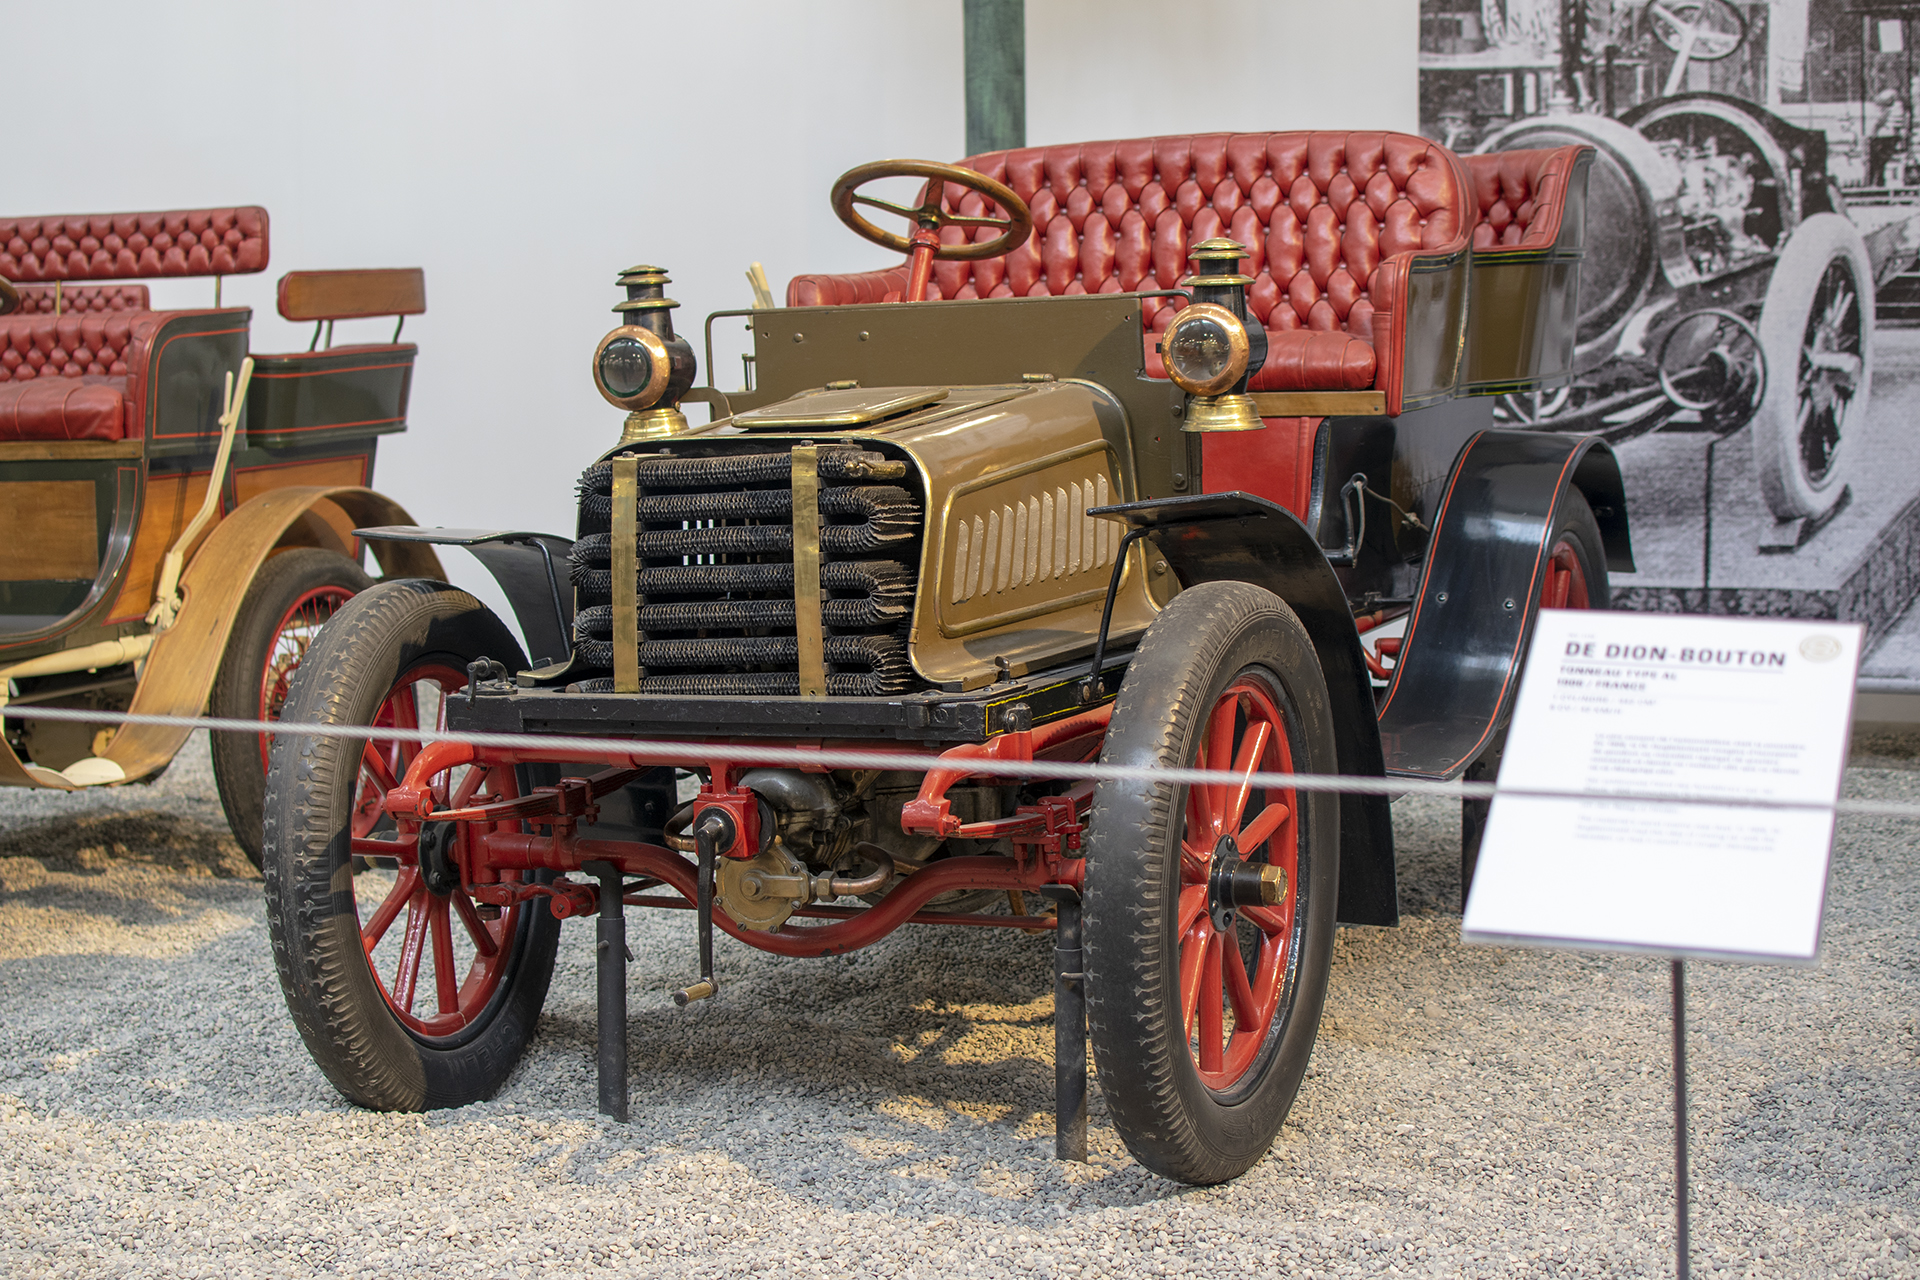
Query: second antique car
x,y
176,515
1040,493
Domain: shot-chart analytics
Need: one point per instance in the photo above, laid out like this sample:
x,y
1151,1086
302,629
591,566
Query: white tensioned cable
x,y
559,746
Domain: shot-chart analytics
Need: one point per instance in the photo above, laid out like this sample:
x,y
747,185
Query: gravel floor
x,y
1469,1111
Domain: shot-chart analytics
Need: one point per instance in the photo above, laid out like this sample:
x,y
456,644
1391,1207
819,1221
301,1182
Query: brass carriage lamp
x,y
643,366
1211,347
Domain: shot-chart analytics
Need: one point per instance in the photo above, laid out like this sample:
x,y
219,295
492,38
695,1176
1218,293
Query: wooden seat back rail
x,y
326,296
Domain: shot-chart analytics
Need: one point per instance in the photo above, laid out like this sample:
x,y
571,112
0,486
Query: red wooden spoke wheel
x,y
294,593
436,977
1565,585
291,638
1234,965
1210,908
407,994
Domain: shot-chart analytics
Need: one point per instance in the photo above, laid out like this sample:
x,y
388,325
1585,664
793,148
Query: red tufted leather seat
x,y
1330,218
63,409
82,375
37,299
1520,196
122,246
69,377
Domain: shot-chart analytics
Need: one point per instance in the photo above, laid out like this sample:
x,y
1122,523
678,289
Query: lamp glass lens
x,y
1198,351
625,367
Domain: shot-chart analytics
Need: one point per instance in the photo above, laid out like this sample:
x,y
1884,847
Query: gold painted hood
x,y
1013,572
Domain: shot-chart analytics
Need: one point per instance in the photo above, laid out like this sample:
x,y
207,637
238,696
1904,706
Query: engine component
x,y
761,892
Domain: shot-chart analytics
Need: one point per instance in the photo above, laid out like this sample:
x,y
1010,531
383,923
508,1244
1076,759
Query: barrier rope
x,y
560,745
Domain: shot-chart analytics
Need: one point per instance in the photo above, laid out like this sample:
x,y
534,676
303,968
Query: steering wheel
x,y
930,217
9,296
923,246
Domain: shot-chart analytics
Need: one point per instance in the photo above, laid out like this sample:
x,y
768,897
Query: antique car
x,y
1038,494
178,515
1728,281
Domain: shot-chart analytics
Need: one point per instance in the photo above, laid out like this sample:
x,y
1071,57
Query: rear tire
x,y
388,657
1199,1074
1576,572
292,595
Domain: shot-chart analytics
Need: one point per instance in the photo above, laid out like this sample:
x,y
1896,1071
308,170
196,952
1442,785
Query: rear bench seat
x,y
303,396
82,375
1332,222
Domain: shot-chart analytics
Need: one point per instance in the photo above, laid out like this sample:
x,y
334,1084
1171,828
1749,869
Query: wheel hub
x,y
1234,883
438,869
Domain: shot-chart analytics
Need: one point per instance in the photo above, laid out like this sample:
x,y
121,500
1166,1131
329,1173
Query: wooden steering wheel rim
x,y
1019,217
9,296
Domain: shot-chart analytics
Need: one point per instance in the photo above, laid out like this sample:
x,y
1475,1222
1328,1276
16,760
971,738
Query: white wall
x,y
524,154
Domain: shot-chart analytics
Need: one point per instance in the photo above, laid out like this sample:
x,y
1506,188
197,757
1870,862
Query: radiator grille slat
x,y
715,586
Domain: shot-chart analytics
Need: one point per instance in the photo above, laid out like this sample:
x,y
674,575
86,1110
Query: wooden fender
x,y
185,658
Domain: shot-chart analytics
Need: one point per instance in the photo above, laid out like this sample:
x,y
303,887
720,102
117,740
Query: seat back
x,y
352,295
134,246
1521,197
44,299
1319,212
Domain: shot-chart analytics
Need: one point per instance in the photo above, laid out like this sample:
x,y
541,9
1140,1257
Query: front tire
x,y
294,593
1202,1021
407,997
1816,328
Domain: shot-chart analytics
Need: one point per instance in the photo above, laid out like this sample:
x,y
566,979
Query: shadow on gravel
x,y
93,845
1825,1135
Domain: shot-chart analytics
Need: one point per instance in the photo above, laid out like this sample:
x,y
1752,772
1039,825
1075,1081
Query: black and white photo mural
x,y
1749,334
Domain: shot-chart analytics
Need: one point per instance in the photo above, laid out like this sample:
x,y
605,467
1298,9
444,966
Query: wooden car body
x,y
110,432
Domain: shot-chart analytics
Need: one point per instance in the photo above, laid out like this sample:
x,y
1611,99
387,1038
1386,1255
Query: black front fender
x,y
530,568
1235,537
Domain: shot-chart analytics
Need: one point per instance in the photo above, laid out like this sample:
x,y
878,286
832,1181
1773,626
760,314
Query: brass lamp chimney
x,y
1219,283
645,341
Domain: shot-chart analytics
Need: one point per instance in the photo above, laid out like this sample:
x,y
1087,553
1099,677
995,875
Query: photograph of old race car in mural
x,y
1752,239
176,515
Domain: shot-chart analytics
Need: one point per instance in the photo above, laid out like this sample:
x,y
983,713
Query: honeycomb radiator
x,y
716,574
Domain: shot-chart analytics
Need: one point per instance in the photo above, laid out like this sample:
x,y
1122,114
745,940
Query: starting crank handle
x,y
713,829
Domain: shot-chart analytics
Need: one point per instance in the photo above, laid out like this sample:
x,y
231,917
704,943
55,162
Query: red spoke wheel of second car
x,y
1574,574
1210,908
409,991
291,597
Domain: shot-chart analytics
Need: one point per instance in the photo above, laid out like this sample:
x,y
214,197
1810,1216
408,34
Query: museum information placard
x,y
1658,705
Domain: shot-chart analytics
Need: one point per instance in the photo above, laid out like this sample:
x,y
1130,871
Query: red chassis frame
x,y
494,838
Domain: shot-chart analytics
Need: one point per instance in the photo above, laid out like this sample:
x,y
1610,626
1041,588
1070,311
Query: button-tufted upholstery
x,y
37,299
1521,196
74,376
1329,218
71,346
122,246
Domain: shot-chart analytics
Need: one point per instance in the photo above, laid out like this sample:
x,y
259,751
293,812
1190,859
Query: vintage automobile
x,y
1038,494
1728,282
177,516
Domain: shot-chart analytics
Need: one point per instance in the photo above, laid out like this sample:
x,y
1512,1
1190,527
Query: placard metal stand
x,y
1688,769
1683,1268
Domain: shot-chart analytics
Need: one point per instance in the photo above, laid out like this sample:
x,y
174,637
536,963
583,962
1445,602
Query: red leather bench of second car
x,y
101,368
83,361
